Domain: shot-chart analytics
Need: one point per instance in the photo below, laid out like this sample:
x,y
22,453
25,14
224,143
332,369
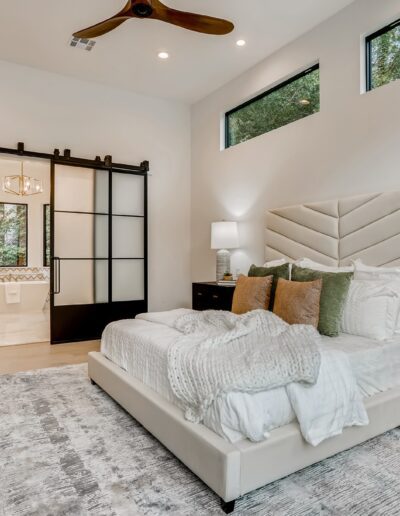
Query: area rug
x,y
67,449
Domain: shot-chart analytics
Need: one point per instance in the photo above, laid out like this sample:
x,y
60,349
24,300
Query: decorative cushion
x,y
298,302
306,263
276,263
281,271
335,287
251,294
371,309
366,272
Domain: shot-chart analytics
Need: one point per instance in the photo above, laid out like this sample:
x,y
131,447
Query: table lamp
x,y
224,236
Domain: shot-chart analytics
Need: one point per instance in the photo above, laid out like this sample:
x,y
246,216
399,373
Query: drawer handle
x,y
199,294
215,296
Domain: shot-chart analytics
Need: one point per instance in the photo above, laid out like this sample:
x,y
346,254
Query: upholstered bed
x,y
333,233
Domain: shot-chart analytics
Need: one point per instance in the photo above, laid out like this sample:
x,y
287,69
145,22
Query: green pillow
x,y
281,271
335,287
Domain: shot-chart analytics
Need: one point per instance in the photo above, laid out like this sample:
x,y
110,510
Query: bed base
x,y
233,470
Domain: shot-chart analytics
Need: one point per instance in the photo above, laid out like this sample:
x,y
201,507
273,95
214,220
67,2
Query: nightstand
x,y
210,296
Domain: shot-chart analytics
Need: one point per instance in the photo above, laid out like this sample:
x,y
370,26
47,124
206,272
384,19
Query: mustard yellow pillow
x,y
298,302
251,294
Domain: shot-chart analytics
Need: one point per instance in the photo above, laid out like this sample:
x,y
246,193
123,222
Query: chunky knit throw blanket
x,y
220,352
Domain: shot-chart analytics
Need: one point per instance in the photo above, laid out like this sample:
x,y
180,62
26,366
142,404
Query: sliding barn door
x,y
98,250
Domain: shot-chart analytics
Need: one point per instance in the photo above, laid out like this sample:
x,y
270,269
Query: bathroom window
x,y
287,102
46,235
383,56
13,235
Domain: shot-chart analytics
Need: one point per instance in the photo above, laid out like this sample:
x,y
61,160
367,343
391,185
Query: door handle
x,y
56,281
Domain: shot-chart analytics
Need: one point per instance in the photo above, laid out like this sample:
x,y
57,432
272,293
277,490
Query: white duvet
x,y
323,410
220,352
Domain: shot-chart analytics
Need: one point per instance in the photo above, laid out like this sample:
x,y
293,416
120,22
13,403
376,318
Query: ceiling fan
x,y
156,10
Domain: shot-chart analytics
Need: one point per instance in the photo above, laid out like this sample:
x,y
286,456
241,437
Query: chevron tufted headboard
x,y
337,232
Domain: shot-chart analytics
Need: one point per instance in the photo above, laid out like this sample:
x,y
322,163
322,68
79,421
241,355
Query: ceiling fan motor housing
x,y
142,9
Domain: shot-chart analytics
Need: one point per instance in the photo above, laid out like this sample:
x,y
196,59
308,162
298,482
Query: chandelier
x,y
22,185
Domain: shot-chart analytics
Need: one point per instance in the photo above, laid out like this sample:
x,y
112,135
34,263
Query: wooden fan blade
x,y
101,28
157,10
191,21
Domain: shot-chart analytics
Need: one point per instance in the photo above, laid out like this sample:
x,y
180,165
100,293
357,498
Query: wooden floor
x,y
38,356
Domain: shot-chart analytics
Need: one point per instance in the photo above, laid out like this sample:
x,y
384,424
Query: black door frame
x,y
105,312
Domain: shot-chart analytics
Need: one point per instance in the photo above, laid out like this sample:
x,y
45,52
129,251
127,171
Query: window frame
x,y
26,236
368,40
261,96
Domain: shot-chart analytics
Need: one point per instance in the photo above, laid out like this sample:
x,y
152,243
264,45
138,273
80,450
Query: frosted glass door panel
x,y
101,191
80,235
82,282
80,189
128,194
128,280
128,237
101,281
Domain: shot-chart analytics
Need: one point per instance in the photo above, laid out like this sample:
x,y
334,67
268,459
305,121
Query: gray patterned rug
x,y
67,449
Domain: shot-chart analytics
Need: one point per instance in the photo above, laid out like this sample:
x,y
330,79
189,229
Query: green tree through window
x,y
384,56
13,235
291,101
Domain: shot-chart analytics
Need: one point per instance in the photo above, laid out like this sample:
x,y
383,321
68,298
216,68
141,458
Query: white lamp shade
x,y
224,235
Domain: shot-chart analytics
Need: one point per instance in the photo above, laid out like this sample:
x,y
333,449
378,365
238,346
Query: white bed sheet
x,y
240,415
125,349
376,364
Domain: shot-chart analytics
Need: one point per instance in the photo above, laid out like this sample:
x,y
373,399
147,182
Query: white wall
x,y
39,170
351,147
46,110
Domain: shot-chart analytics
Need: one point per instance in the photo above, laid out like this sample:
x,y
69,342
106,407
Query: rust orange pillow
x,y
298,302
251,294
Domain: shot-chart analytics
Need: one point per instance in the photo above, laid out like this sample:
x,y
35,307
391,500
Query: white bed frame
x,y
333,233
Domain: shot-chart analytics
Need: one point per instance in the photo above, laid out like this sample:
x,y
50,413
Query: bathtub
x,y
33,297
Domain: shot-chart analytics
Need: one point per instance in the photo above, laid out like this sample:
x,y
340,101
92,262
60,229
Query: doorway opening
x,y
24,247
73,245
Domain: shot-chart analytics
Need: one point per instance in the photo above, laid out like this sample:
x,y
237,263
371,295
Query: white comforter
x,y
323,410
220,352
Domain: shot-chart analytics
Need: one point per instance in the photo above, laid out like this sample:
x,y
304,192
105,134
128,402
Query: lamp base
x,y
223,263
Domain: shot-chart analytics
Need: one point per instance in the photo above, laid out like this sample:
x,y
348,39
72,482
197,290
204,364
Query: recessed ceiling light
x,y
163,55
240,43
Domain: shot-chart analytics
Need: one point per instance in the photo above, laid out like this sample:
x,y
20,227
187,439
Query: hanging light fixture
x,y
22,185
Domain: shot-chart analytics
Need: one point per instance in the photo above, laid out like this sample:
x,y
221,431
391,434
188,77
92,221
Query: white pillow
x,y
365,272
372,309
276,263
310,264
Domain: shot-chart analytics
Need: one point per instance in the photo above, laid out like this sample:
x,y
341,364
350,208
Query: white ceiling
x,y
36,33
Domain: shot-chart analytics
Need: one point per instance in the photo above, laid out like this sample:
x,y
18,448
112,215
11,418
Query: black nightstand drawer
x,y
210,296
